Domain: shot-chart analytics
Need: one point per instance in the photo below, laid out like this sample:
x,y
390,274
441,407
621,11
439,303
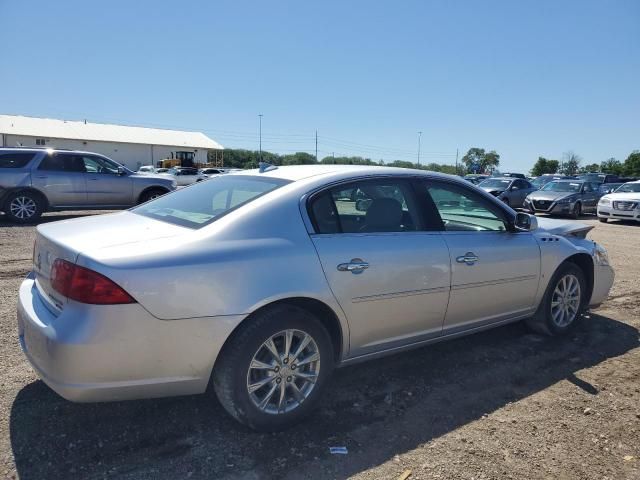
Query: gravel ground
x,y
500,404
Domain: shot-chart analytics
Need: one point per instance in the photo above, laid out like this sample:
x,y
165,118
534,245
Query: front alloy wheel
x,y
565,301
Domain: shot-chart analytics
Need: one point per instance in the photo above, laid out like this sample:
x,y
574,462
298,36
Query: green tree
x,y
299,158
594,167
544,165
570,163
632,164
611,165
486,161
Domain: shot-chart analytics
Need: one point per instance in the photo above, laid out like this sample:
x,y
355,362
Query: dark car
x,y
599,177
511,191
514,175
475,178
564,197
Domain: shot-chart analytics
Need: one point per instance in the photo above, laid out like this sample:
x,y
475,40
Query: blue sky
x,y
523,78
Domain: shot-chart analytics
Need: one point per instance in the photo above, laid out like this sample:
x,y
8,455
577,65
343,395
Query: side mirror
x,y
121,171
525,222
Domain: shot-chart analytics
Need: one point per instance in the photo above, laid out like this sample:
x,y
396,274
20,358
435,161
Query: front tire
x,y
603,220
577,211
151,194
563,303
24,207
273,370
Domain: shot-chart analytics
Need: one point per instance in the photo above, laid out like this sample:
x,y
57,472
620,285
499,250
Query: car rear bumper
x,y
91,353
607,211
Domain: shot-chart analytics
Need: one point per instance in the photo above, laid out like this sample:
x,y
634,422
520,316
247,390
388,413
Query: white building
x,y
131,146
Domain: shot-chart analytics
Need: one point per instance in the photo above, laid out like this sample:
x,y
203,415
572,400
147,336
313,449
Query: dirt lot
x,y
501,404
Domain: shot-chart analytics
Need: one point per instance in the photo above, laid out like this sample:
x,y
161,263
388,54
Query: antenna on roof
x,y
266,167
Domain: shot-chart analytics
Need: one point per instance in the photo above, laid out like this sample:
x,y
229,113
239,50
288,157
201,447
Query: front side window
x,y
463,210
99,165
368,206
204,202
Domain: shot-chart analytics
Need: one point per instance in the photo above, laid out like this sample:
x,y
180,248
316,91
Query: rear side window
x,y
368,206
63,162
15,160
204,202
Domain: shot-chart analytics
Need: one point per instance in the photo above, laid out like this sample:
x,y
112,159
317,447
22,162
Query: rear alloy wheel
x,y
272,371
23,207
563,302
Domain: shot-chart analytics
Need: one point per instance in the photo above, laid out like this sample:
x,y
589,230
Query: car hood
x,y
548,195
629,196
563,228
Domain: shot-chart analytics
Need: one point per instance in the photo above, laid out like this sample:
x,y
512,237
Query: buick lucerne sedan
x,y
260,283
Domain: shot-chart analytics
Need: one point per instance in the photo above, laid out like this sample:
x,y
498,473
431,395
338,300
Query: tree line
x,y
476,160
571,165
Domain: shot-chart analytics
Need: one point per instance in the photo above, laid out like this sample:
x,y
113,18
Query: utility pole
x,y
456,161
260,117
316,146
419,135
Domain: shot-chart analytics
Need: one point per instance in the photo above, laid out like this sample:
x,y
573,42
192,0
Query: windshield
x,y
495,183
629,187
204,202
562,187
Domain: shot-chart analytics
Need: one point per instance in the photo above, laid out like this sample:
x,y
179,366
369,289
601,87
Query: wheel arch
x,y
150,188
585,263
32,190
317,308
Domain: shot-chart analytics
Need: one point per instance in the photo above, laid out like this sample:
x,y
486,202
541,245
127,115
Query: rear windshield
x,y
204,202
15,160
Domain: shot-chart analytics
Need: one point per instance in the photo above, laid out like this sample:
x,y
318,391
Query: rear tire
x,y
265,393
152,194
24,207
559,309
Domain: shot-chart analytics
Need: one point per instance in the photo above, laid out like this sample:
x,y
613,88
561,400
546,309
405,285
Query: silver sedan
x,y
260,283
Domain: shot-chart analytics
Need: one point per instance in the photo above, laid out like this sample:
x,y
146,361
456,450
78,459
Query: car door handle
x,y
468,258
42,176
356,265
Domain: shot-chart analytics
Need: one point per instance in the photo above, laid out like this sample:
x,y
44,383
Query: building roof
x,y
102,132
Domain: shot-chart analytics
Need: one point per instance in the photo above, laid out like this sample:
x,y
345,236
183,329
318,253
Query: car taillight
x,y
86,286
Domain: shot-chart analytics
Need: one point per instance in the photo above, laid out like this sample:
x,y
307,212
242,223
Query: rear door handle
x,y
356,265
468,258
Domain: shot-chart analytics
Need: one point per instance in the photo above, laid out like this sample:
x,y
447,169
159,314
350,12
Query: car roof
x,y
301,172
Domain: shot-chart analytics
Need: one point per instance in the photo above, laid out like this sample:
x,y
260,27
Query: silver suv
x,y
33,181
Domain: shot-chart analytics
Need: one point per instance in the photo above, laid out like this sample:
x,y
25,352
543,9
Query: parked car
x,y
186,175
211,171
511,191
34,181
545,178
260,284
475,179
599,177
623,204
514,175
564,197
